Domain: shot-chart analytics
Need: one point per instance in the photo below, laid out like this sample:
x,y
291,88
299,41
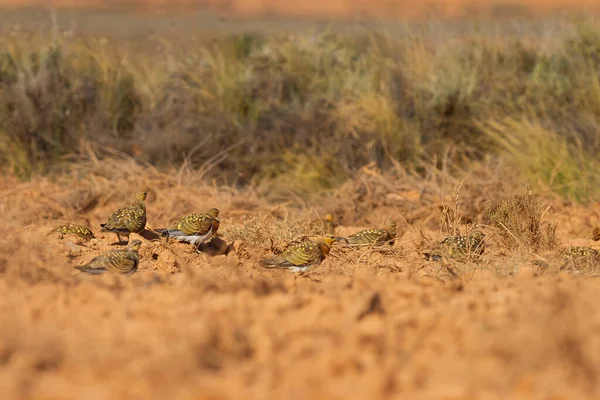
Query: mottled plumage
x,y
596,234
300,256
117,261
373,236
194,228
579,257
72,229
581,252
130,219
458,246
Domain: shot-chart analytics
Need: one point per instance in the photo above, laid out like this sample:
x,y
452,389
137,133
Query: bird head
x,y
328,240
478,235
213,212
134,245
391,227
141,196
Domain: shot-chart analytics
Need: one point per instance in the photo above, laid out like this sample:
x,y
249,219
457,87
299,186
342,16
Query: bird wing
x,y
195,224
368,236
461,245
73,229
577,251
132,218
80,230
98,262
121,261
450,240
305,253
62,229
116,219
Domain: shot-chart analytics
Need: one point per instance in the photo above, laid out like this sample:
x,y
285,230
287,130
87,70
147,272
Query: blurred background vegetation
x,y
304,105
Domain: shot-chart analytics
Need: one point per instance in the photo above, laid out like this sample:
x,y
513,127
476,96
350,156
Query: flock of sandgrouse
x,y
298,256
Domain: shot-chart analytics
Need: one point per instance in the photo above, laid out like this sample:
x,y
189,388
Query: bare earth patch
x,y
365,324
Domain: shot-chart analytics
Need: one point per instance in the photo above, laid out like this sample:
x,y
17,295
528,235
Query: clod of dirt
x,y
72,247
232,260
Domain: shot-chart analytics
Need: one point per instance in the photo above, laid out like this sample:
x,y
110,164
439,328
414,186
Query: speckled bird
x,y
130,219
116,261
373,236
458,246
194,228
73,229
299,257
581,252
579,257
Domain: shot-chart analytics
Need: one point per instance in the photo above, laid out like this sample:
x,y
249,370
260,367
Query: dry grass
x,y
518,219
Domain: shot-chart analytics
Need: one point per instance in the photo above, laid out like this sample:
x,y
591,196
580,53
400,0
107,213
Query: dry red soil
x,y
366,325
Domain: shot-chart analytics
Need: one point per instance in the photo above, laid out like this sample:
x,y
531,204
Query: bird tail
x,y
170,232
432,257
267,262
270,263
90,270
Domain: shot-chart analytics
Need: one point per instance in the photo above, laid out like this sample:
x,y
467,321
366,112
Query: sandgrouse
x,y
117,261
130,219
299,257
458,246
373,236
72,229
194,228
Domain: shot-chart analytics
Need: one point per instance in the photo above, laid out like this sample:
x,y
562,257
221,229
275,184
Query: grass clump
x,y
546,158
518,220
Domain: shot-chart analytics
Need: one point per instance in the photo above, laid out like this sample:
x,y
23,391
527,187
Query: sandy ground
x,y
363,325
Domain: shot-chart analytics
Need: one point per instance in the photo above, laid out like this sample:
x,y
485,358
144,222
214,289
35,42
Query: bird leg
x,y
120,241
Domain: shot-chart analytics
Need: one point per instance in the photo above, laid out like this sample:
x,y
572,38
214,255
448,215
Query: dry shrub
x,y
518,220
451,215
309,108
53,96
547,158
